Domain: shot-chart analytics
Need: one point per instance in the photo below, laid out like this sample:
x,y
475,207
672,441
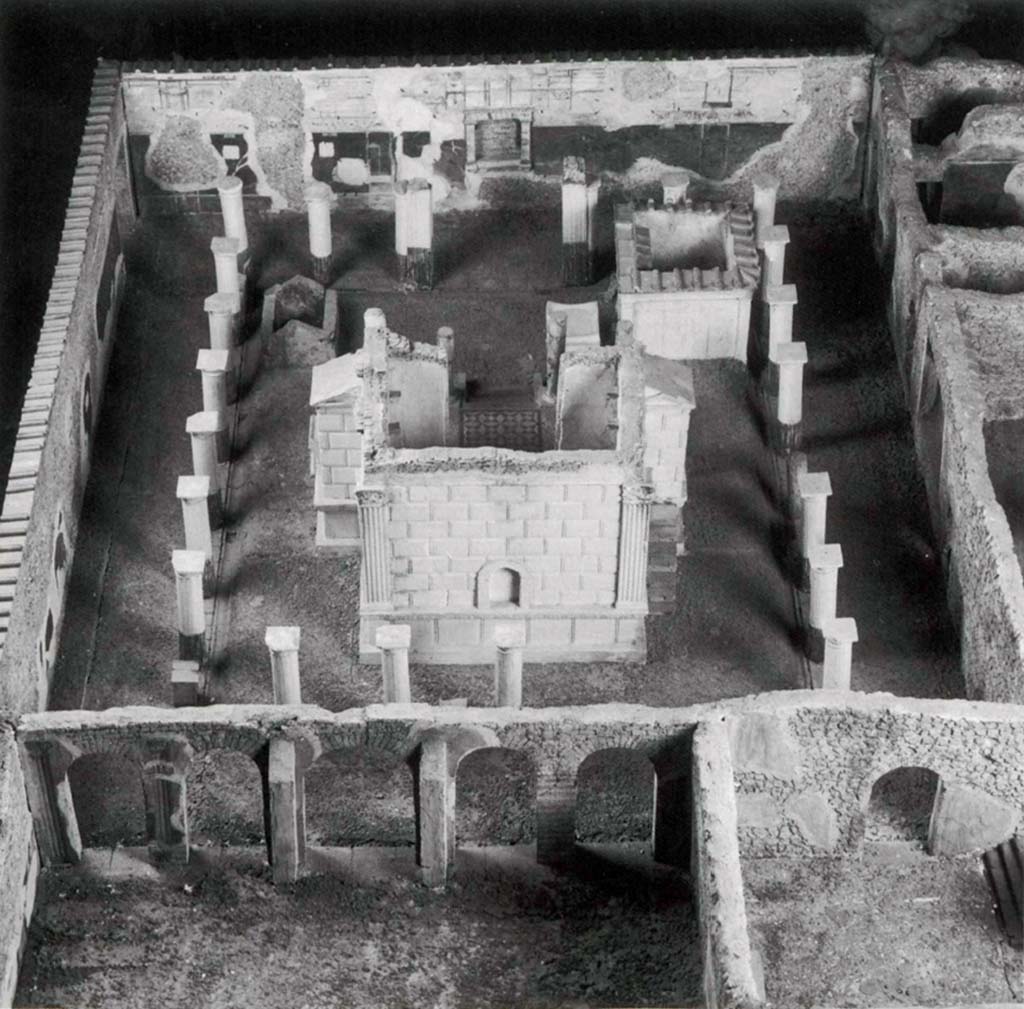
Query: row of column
x,y
394,640
830,638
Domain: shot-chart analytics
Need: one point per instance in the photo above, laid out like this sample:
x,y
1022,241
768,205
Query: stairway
x,y
1004,869
666,530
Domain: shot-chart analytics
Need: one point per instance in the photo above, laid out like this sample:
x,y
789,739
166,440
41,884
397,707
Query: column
x,y
814,489
825,562
287,811
419,234
375,568
214,368
766,189
780,302
222,309
51,803
393,641
673,187
318,198
509,640
225,261
446,341
774,243
194,495
557,327
163,787
188,582
283,643
634,536
576,267
375,338
840,635
435,811
401,192
232,207
205,430
556,815
785,429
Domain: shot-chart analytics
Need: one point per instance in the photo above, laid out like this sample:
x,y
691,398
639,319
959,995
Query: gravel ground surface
x,y
221,935
897,927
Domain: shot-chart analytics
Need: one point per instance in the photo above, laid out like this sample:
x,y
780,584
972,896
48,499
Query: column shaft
x,y
287,812
232,207
435,821
634,538
375,566
393,641
163,786
52,806
283,643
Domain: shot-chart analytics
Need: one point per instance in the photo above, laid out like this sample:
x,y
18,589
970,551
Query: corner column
x,y
393,641
194,495
214,368
283,643
634,539
287,811
318,196
375,568
780,302
188,580
824,562
206,433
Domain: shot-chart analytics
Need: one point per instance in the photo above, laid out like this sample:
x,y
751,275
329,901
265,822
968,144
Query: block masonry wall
x,y
797,116
43,497
448,537
19,864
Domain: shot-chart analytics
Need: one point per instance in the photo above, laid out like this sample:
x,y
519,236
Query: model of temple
x,y
602,487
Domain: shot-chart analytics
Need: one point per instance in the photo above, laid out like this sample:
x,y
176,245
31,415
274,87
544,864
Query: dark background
x,y
48,49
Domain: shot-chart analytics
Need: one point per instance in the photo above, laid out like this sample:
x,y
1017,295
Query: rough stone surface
x,y
760,745
299,298
814,817
298,345
966,819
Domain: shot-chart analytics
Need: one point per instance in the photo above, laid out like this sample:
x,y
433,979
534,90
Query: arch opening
x,y
224,793
900,807
109,800
495,798
615,791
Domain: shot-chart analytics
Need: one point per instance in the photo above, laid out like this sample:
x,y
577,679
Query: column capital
x,y
777,234
283,639
841,630
205,422
793,353
390,636
194,488
213,360
188,562
317,192
371,497
510,635
229,184
223,303
222,246
825,557
781,294
640,493
813,485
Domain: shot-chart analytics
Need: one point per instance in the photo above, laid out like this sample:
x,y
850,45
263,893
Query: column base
x,y
185,678
322,269
577,264
417,268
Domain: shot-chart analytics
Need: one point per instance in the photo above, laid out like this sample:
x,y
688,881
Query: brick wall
x,y
339,453
665,434
562,536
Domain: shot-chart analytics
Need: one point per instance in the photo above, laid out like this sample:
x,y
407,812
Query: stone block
x,y
565,510
525,546
594,632
760,811
585,492
761,743
488,512
449,547
967,819
545,492
549,632
816,819
458,633
506,492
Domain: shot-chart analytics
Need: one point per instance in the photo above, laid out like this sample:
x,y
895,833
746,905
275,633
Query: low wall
x,y
39,523
19,864
729,978
987,586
